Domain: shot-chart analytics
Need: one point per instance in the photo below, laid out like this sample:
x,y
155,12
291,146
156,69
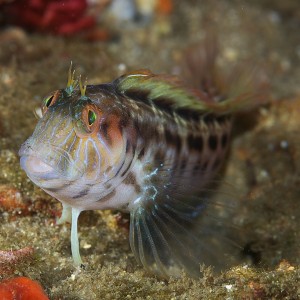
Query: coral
x,y
58,17
21,288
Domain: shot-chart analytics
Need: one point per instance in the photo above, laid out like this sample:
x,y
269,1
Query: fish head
x,y
78,140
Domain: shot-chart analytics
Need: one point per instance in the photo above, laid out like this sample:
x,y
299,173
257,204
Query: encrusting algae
x,y
148,145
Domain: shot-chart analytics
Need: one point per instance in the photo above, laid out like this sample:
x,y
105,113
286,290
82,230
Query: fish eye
x,y
88,120
48,100
91,117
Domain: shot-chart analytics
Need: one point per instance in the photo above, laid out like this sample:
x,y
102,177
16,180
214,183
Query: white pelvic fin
x,y
74,237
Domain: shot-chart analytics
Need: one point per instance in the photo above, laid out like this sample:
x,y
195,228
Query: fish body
x,y
144,144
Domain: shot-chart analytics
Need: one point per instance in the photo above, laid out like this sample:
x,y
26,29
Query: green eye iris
x,y
91,117
48,101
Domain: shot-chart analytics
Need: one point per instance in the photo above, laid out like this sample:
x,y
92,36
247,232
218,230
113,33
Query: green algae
x,y
263,163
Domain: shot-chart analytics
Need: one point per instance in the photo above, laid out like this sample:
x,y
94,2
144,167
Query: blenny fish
x,y
145,144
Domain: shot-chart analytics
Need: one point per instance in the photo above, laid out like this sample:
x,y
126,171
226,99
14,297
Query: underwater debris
x,y
285,266
147,8
254,283
122,220
14,204
132,10
11,258
21,288
165,6
11,200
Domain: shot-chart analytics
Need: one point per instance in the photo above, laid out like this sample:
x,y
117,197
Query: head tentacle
x,y
72,82
82,87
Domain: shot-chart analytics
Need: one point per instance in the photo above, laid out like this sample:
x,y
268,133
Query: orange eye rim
x,y
91,118
49,101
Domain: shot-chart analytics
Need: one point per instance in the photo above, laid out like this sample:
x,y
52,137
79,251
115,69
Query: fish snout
x,y
46,162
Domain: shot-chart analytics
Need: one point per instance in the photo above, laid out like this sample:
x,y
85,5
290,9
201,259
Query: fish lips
x,y
35,168
40,169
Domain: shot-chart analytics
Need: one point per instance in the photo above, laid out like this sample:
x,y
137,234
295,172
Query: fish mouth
x,y
36,168
42,165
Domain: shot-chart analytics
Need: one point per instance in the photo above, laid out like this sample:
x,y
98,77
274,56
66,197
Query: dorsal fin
x,y
164,91
170,94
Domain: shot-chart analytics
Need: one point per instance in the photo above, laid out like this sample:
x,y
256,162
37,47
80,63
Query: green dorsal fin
x,y
165,92
169,94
